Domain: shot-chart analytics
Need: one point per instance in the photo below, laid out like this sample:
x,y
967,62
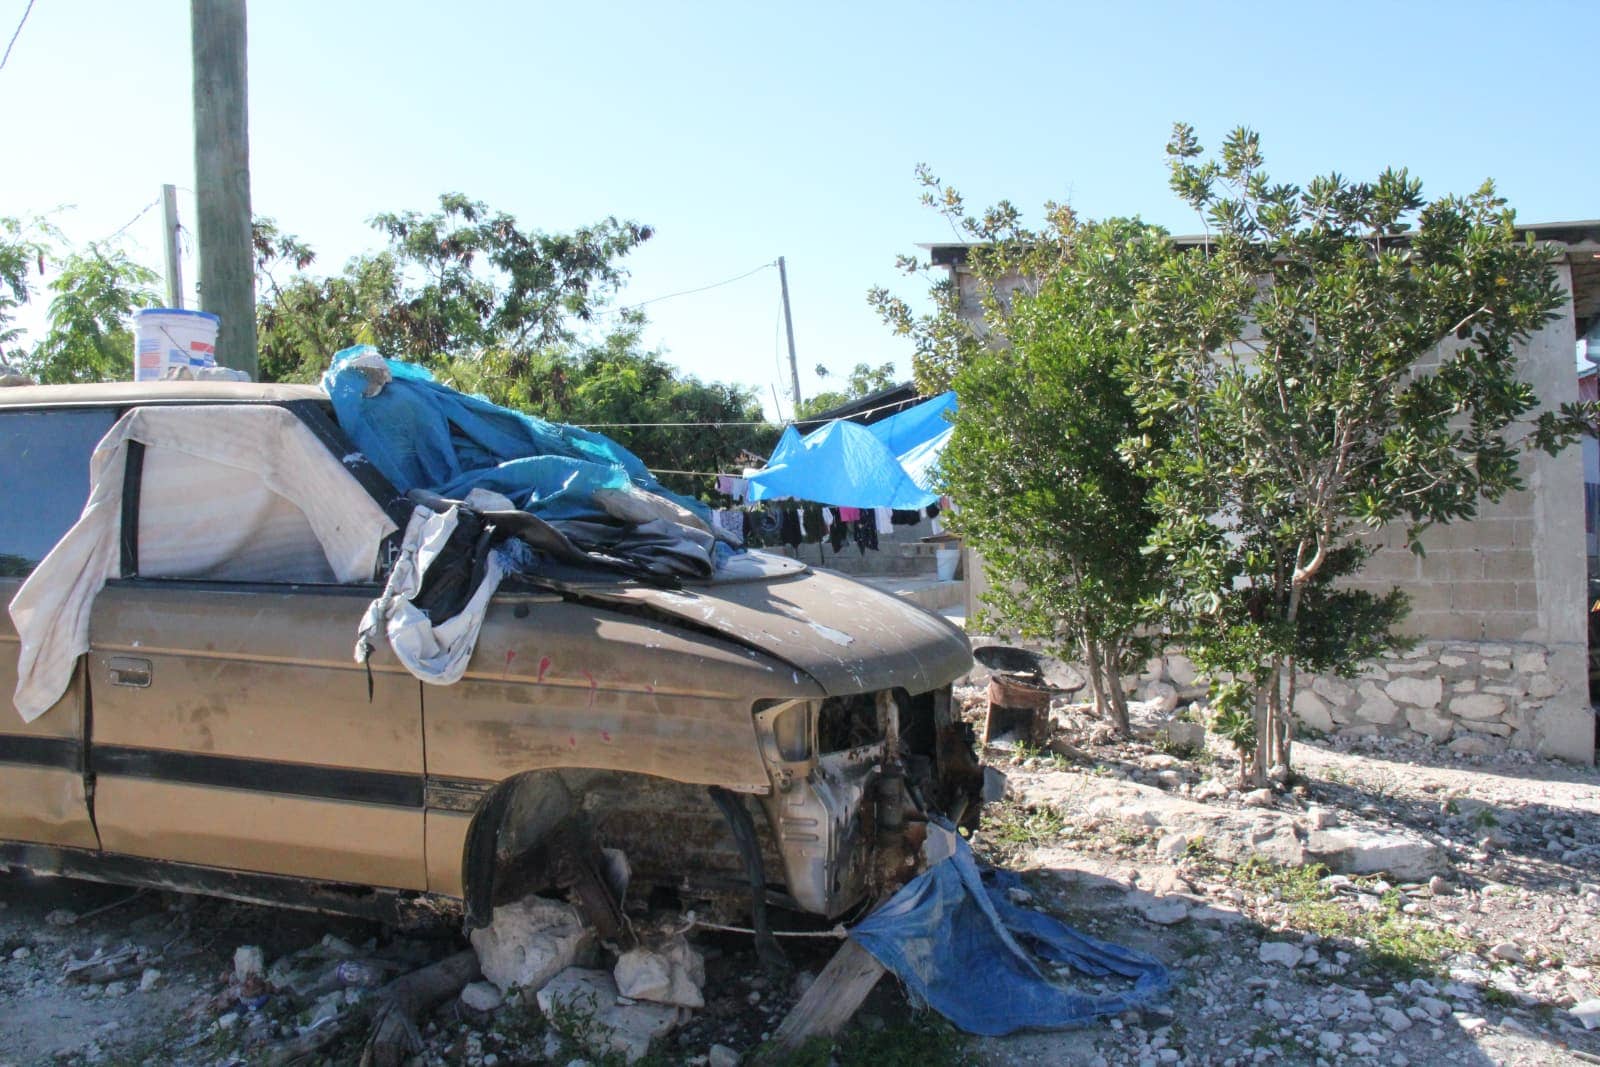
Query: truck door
x,y
44,474
232,727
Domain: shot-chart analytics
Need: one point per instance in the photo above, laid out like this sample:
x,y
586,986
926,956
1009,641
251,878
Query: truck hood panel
x,y
848,636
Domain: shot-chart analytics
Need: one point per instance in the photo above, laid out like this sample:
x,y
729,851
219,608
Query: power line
x,y
762,422
701,289
16,33
124,227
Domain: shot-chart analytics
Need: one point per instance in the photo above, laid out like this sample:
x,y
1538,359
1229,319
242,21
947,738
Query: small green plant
x,y
1023,827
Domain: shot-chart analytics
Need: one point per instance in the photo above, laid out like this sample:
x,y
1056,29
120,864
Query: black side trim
x,y
406,908
62,753
132,481
268,776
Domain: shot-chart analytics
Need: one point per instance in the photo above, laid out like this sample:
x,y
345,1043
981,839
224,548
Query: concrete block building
x,y
1499,604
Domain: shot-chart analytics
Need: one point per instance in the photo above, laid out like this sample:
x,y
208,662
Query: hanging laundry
x,y
849,514
838,534
827,517
865,533
733,486
789,528
730,520
907,517
812,528
884,518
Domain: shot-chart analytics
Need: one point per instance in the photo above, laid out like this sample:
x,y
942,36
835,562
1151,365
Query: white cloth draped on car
x,y
437,654
232,492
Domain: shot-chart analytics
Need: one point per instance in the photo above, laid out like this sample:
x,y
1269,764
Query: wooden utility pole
x,y
169,242
222,177
788,326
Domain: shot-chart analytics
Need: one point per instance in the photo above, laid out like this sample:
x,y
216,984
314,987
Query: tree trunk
x,y
1254,773
1288,721
1091,663
1117,699
394,1033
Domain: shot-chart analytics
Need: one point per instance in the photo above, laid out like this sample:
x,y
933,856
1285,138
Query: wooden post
x,y
825,1008
169,225
788,326
222,177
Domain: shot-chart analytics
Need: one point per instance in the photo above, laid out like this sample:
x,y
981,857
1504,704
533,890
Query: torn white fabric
x,y
436,654
282,468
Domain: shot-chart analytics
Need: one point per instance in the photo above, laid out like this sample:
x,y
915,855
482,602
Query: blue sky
x,y
746,131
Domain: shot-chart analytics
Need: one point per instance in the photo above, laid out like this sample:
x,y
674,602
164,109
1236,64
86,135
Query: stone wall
x,y
1474,697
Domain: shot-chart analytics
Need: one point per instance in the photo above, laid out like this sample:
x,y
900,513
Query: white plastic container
x,y
172,337
946,560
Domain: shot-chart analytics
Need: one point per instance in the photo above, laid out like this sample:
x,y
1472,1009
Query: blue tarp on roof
x,y
888,464
422,434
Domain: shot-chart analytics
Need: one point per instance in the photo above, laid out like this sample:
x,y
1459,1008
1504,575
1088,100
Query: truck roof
x,y
122,394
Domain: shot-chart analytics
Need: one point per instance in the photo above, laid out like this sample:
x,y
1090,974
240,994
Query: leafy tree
x,y
23,248
1055,510
89,337
1298,356
627,393
863,380
460,281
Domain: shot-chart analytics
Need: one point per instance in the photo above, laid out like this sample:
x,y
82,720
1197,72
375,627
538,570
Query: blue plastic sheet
x,y
841,463
425,435
962,948
889,464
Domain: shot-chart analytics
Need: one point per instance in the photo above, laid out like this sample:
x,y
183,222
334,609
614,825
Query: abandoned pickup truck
x,y
768,735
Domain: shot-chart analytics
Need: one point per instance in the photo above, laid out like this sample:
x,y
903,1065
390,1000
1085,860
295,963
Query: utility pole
x,y
788,326
222,177
169,224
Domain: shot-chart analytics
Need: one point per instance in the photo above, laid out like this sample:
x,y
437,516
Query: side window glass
x,y
204,520
44,469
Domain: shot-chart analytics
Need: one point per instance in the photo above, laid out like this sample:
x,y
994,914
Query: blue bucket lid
x,y
177,311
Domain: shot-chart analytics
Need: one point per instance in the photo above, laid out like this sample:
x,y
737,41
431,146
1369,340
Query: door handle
x,y
130,670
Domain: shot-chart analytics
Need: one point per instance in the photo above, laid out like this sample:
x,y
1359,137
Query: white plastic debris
x,y
248,963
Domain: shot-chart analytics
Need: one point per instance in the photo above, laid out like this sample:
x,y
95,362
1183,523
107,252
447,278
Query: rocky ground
x,y
1390,905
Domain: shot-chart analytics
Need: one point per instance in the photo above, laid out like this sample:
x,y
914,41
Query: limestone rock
x,y
1312,710
1279,952
625,1028
1396,853
1332,690
530,941
668,973
1473,745
721,1056
1587,1012
1531,663
1181,671
482,996
1429,724
1477,706
1418,692
1164,912
1375,706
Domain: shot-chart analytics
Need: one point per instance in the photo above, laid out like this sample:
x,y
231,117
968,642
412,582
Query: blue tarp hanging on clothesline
x,y
850,465
961,947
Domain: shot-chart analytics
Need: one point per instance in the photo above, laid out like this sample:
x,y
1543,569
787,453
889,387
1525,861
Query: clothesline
x,y
762,422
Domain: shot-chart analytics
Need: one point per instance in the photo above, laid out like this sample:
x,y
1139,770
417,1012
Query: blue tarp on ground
x,y
957,944
889,464
422,434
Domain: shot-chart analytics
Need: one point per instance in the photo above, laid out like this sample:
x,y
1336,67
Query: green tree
x,y
24,245
1055,510
627,393
89,338
1298,356
457,282
863,380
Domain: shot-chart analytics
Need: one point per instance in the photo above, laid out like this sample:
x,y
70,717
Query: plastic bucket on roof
x,y
946,560
172,337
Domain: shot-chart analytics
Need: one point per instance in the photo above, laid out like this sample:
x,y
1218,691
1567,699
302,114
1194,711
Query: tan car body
x,y
220,735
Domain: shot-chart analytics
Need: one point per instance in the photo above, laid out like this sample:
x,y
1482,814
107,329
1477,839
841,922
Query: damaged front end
x,y
855,779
